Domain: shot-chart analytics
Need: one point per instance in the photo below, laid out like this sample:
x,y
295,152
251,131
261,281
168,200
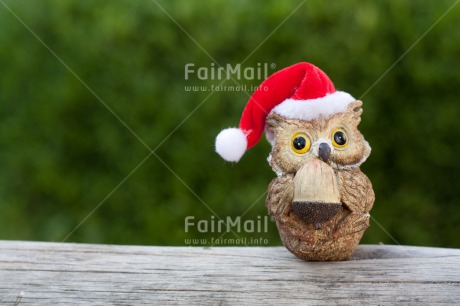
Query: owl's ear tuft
x,y
273,121
271,124
355,110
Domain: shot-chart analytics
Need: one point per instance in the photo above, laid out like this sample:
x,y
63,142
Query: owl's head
x,y
335,140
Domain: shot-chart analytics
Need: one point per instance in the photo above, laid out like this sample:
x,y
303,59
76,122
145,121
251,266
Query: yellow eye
x,y
339,138
300,143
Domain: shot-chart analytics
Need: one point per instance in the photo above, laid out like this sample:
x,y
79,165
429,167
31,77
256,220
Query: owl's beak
x,y
324,152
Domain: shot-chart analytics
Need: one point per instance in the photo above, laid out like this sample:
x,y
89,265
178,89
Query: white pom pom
x,y
231,144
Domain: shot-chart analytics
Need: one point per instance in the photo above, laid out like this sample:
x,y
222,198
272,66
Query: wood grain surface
x,y
65,273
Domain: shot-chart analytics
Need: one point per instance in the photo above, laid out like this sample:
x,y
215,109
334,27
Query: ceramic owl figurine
x,y
320,199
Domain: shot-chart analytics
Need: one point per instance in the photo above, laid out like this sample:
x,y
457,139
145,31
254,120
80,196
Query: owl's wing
x,y
280,195
356,190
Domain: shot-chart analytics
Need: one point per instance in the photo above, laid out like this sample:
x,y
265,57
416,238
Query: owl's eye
x,y
339,138
300,143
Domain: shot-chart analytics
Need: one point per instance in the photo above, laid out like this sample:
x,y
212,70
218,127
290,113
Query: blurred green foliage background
x,y
69,166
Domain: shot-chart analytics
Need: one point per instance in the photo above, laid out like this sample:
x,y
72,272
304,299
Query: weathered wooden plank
x,y
57,273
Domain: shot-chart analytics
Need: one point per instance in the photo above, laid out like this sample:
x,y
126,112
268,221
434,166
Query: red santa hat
x,y
301,91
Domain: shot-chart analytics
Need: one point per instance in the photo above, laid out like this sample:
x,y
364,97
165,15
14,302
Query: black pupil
x,y
299,143
340,138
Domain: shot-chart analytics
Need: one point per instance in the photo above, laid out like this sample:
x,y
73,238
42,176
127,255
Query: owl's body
x,y
336,238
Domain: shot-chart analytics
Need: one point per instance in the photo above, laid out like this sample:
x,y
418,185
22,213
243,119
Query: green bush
x,y
63,151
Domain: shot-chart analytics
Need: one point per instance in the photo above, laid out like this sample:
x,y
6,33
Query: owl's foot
x,y
353,223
